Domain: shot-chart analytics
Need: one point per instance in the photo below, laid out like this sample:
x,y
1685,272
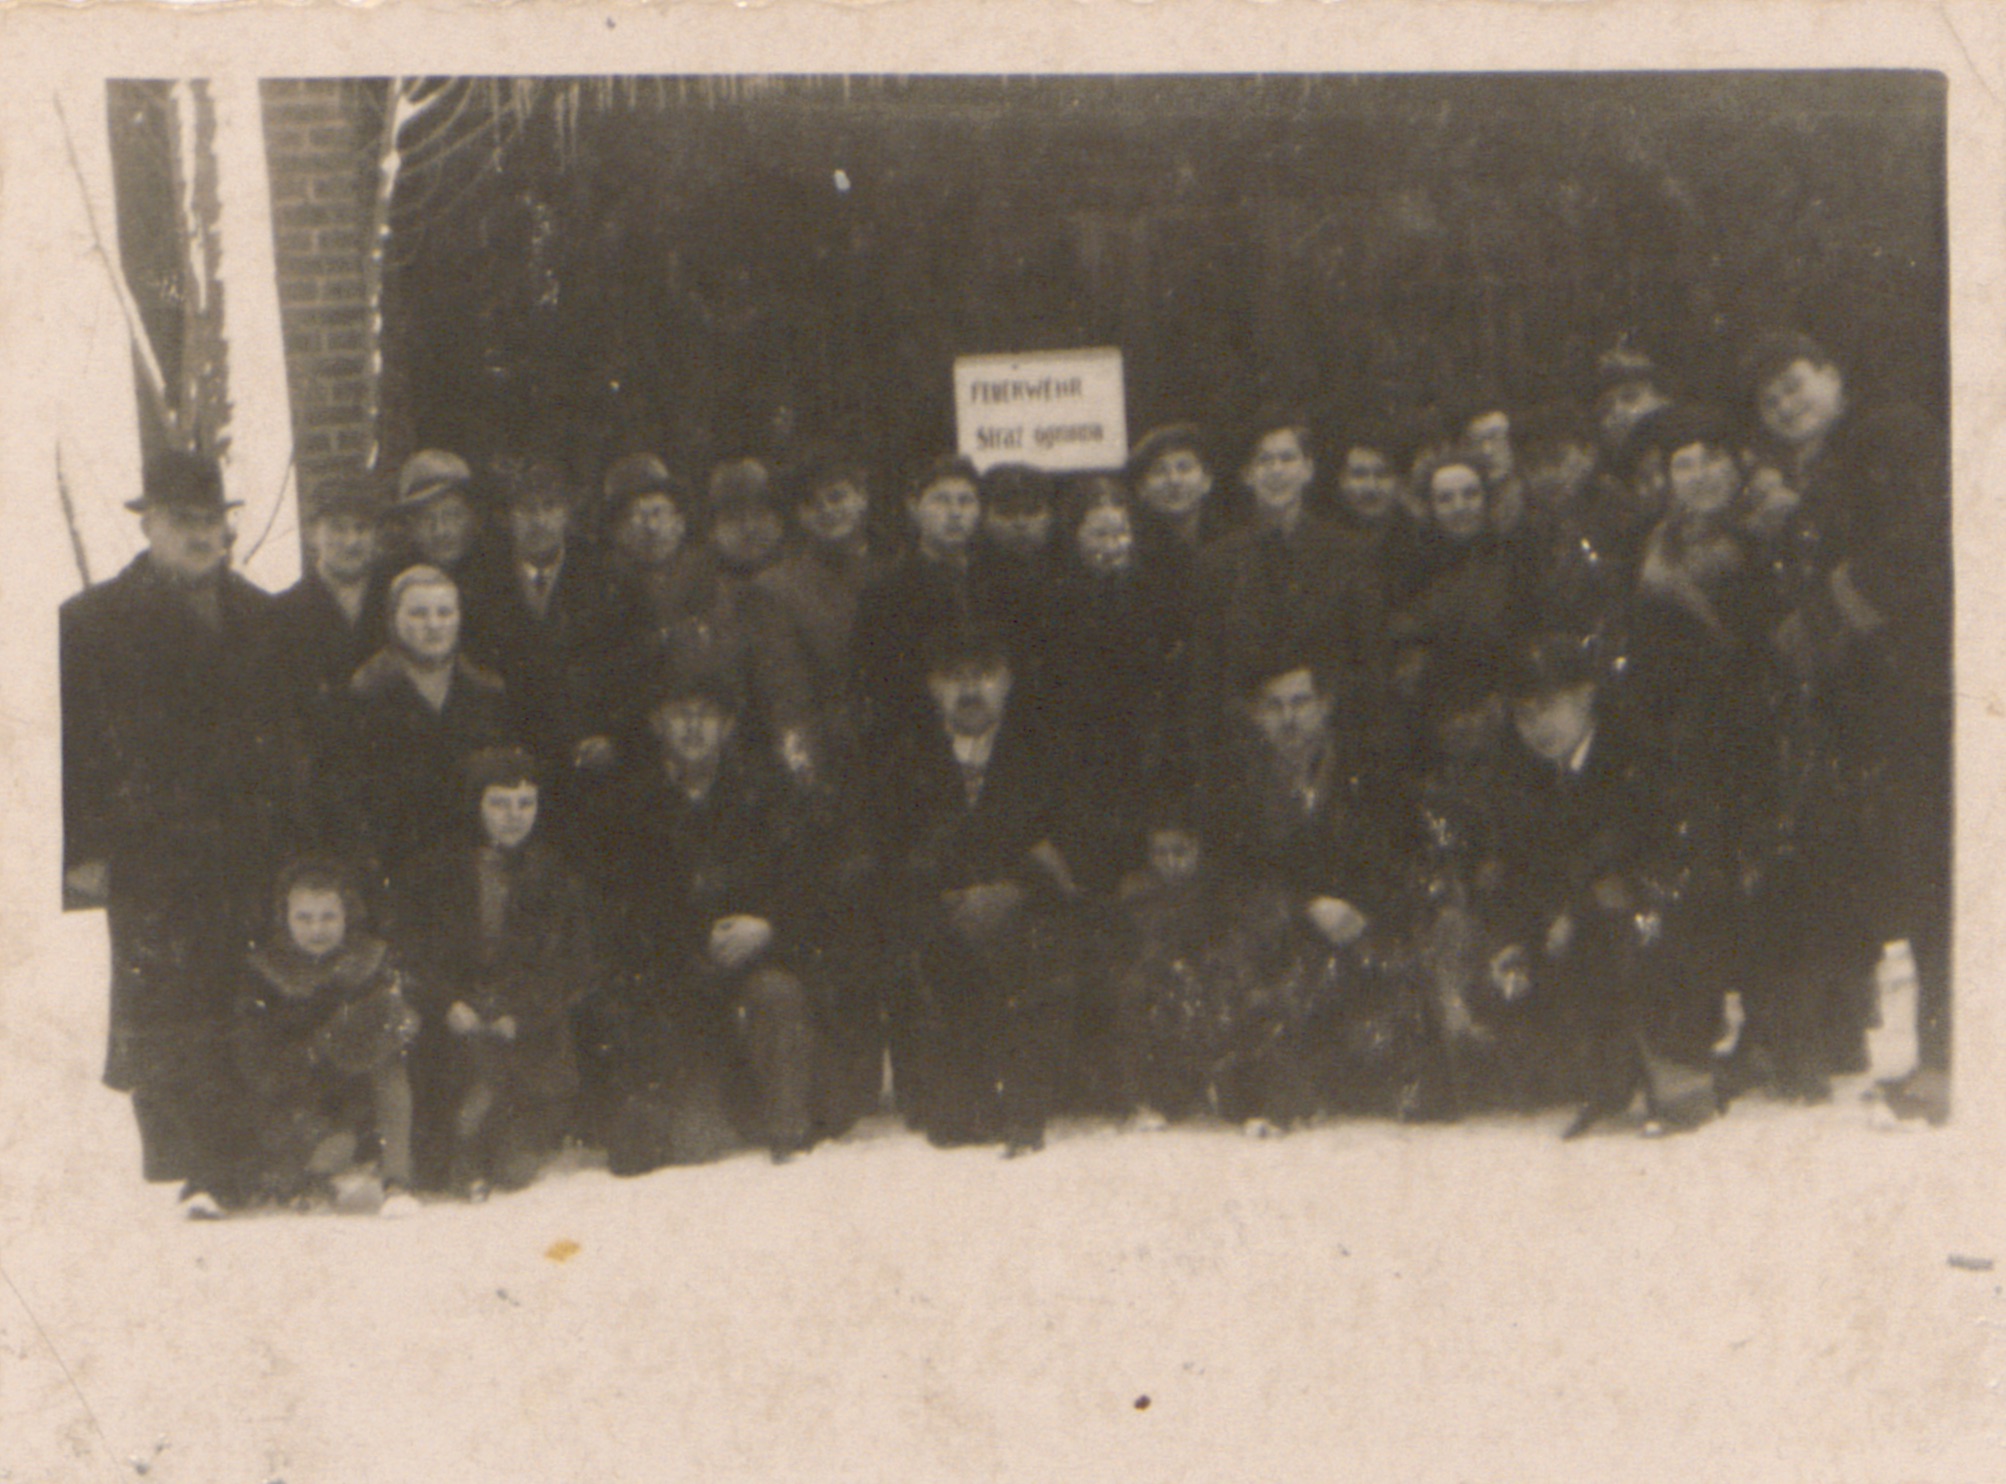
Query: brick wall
x,y
321,138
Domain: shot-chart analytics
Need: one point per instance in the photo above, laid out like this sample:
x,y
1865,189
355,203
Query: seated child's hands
x,y
1560,936
980,911
735,941
504,1026
1511,975
1338,921
1611,895
461,1020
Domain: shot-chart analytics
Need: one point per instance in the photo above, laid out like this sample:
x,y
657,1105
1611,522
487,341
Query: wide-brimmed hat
x,y
181,481
429,473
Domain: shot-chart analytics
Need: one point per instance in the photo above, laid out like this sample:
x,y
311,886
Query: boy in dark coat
x,y
319,1037
966,836
1193,954
501,938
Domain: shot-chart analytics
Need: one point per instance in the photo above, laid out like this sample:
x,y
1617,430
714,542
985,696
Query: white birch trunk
x,y
258,466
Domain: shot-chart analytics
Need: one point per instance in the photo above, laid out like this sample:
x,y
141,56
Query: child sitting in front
x,y
500,933
320,1033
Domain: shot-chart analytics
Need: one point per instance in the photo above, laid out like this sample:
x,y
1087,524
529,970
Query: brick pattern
x,y
320,148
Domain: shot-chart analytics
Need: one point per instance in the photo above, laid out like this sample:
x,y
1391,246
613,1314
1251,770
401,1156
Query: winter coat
x,y
543,660
178,772
1113,696
1349,841
1259,594
675,865
898,617
543,961
816,590
320,648
697,618
401,765
286,1035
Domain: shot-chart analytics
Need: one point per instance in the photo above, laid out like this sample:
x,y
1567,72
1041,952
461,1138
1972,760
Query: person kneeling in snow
x,y
319,1036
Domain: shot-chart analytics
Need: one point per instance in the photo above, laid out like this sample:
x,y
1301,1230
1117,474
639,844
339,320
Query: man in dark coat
x,y
709,860
331,620
1870,640
549,605
966,837
1579,901
176,753
1311,830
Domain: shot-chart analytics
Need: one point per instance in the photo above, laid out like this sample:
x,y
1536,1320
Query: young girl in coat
x,y
500,934
320,1034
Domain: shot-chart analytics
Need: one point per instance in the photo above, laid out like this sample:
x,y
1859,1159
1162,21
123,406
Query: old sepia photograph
x,y
1023,772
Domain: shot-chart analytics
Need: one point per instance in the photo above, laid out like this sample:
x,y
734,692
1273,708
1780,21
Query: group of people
x,y
1576,757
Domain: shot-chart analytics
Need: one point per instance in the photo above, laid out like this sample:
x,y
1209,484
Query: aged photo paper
x,y
1787,1293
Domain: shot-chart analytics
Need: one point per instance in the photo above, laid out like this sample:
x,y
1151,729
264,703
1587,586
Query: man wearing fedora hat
x,y
436,521
175,750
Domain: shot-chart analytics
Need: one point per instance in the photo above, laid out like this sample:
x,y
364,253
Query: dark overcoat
x,y
178,773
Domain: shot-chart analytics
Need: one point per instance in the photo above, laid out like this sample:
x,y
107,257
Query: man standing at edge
x,y
174,747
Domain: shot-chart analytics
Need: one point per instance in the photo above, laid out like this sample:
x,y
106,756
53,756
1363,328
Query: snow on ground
x,y
1769,1298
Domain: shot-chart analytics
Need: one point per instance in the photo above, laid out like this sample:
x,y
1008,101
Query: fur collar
x,y
296,977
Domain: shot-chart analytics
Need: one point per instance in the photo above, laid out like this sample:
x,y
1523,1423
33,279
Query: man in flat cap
x,y
175,753
436,522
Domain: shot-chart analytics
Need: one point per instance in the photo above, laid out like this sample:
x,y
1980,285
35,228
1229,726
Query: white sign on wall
x,y
1059,410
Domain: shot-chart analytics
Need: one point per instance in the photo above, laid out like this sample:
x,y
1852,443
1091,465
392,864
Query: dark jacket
x,y
1349,840
544,959
816,591
177,747
1113,694
544,659
1562,831
933,839
898,616
697,618
1876,499
319,646
674,865
1308,596
400,777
